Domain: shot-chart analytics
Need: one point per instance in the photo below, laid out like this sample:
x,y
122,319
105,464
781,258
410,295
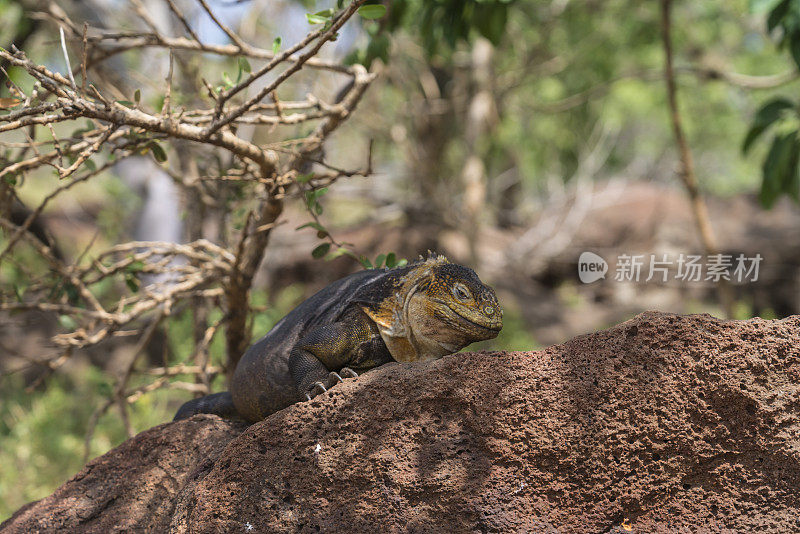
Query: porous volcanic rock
x,y
133,487
663,423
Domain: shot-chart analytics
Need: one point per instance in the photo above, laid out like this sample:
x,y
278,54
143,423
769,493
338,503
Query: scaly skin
x,y
423,311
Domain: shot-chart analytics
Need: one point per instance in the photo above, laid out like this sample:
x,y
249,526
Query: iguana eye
x,y
460,292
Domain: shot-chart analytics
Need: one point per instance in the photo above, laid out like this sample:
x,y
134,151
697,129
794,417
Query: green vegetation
x,y
42,432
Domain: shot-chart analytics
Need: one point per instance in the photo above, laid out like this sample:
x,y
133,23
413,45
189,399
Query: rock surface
x,y
663,423
133,487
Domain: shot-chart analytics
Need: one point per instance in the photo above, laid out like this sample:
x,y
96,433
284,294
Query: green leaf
x,y
794,48
135,267
402,263
315,225
137,96
491,22
776,15
67,322
157,151
72,293
312,199
391,260
365,262
245,65
321,191
132,282
321,250
126,103
319,17
18,292
104,388
792,187
227,80
10,179
372,12
378,47
790,184
778,169
379,260
303,178
276,45
341,251
356,56
769,113
90,165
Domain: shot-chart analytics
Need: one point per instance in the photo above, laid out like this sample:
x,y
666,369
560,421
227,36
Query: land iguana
x,y
425,310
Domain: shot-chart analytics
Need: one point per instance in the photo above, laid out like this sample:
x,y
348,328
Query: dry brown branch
x,y
119,115
127,290
182,370
297,65
708,74
136,40
177,12
231,35
18,231
687,174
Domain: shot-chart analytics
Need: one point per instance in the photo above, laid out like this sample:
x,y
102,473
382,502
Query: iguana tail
x,y
220,404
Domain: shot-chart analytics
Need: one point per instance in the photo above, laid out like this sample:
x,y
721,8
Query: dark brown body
x,y
357,323
262,383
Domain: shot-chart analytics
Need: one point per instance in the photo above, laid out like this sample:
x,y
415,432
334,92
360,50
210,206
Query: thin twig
x,y
231,35
326,36
687,173
168,93
84,59
177,12
66,57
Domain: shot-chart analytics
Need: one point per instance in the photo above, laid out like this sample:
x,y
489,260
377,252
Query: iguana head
x,y
438,308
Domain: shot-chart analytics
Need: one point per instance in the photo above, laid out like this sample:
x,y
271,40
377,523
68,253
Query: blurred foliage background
x,y
509,135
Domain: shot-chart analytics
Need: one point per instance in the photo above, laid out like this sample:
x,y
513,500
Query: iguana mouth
x,y
478,325
463,319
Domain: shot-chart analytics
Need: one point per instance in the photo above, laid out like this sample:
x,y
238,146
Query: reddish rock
x,y
133,487
664,423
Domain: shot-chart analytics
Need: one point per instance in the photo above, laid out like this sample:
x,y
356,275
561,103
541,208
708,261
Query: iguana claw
x,y
347,372
315,390
333,379
318,388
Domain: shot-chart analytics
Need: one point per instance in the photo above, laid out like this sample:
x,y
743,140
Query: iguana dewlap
x,y
422,311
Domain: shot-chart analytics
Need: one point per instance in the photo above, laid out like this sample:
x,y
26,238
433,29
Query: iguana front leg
x,y
315,359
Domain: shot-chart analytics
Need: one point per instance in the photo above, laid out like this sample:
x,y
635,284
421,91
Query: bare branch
x,y
129,288
687,173
326,36
66,58
232,36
